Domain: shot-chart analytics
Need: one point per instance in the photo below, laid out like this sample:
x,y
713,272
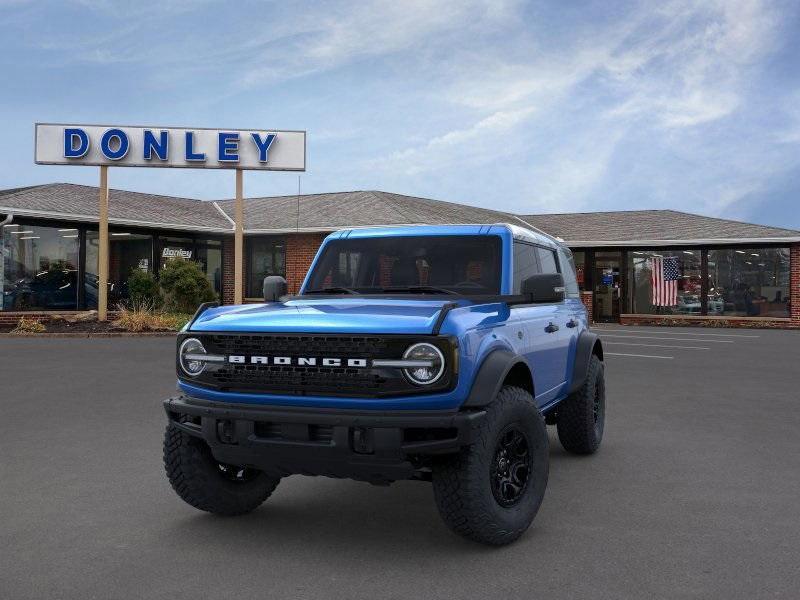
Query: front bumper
x,y
375,446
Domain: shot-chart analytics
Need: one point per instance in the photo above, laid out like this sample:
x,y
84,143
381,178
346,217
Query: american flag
x,y
664,278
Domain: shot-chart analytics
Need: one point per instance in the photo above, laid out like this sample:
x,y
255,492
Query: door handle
x,y
572,323
552,328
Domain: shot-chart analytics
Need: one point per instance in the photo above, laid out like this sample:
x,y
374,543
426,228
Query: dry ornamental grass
x,y
28,325
143,317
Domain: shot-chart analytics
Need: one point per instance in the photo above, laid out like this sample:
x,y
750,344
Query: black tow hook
x,y
226,431
362,440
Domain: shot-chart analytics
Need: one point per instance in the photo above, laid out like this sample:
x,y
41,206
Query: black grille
x,y
312,380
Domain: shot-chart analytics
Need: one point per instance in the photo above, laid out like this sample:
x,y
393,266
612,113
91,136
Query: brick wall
x,y
301,248
587,299
794,284
227,271
709,321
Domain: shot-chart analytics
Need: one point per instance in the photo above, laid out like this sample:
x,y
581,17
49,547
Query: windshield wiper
x,y
332,290
431,289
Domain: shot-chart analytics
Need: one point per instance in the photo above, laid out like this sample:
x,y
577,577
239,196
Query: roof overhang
x,y
113,221
328,229
683,242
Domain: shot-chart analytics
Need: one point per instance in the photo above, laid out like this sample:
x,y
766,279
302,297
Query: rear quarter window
x,y
568,271
526,263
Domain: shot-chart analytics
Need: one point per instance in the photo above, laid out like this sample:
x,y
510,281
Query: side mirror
x,y
274,288
544,287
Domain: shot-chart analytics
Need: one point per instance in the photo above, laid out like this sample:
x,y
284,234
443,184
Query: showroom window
x,y
39,267
265,256
748,282
209,255
128,252
176,247
665,282
205,252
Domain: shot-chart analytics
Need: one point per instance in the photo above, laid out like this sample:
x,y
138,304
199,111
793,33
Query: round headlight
x,y
188,355
433,361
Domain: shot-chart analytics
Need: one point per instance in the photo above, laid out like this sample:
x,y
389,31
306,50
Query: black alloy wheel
x,y
491,490
511,466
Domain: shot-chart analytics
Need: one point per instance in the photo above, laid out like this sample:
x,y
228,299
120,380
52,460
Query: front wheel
x,y
491,490
203,482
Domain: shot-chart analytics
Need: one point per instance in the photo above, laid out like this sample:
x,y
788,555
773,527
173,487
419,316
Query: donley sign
x,y
197,148
189,148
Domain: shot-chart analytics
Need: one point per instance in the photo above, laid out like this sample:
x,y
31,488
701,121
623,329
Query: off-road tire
x,y
201,482
581,417
462,483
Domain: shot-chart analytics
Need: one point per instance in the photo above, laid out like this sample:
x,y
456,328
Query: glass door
x,y
607,277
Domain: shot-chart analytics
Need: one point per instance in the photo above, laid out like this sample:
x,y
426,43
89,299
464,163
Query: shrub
x,y
28,325
184,286
143,289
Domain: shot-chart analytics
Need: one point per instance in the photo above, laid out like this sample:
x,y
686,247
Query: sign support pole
x,y
238,255
102,256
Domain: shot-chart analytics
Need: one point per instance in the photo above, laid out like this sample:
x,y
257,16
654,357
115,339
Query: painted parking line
x,y
656,346
652,337
734,335
637,355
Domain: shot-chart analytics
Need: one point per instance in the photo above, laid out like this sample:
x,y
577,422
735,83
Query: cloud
x,y
341,35
465,146
531,106
566,110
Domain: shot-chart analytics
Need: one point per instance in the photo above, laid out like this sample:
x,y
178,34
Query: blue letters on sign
x,y
105,144
71,136
190,153
159,146
263,145
228,146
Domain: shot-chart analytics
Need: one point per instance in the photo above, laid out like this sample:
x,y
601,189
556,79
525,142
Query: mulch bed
x,y
89,327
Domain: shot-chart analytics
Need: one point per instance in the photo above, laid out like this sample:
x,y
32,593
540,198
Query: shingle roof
x,y
354,209
79,202
328,212
629,227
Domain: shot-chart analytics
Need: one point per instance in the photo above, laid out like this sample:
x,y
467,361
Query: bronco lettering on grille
x,y
299,361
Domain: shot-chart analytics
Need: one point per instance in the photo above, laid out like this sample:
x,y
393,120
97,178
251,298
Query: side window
x,y
547,260
526,264
568,270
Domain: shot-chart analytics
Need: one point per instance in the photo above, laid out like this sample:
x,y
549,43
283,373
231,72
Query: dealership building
x,y
726,272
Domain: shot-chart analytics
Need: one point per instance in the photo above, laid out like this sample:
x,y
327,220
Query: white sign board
x,y
189,148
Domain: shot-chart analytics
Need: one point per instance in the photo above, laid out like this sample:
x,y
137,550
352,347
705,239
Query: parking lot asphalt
x,y
694,494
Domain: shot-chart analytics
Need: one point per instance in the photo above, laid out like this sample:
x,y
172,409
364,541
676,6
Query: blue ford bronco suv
x,y
434,353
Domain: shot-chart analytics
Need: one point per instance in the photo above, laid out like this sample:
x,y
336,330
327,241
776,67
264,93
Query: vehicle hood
x,y
330,315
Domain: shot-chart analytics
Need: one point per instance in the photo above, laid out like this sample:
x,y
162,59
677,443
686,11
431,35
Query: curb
x,y
120,334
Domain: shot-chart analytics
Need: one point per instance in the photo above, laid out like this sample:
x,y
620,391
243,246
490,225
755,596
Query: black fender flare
x,y
587,342
490,377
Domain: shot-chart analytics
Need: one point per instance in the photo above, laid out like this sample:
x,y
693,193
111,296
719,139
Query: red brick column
x,y
227,270
588,301
794,284
301,248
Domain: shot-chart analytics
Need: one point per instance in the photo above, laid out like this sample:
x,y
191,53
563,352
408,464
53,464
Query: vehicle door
x,y
539,341
575,308
561,325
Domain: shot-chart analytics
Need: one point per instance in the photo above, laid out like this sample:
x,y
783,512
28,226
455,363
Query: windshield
x,y
468,265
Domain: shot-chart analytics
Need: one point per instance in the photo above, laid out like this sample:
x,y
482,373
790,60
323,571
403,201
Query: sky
x,y
528,107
